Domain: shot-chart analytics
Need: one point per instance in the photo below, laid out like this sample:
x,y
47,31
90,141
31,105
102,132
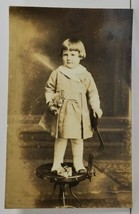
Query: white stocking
x,y
59,152
77,151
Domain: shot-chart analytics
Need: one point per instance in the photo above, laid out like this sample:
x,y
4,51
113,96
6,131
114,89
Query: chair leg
x,y
62,194
75,196
54,189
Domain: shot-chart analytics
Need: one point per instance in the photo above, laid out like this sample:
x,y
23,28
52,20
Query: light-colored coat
x,y
78,91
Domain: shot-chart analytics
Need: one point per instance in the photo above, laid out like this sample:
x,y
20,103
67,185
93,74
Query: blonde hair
x,y
73,44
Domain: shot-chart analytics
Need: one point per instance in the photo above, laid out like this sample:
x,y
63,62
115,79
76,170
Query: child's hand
x,y
98,112
55,104
53,108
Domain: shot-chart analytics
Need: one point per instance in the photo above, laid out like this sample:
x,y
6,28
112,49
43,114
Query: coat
x,y
79,92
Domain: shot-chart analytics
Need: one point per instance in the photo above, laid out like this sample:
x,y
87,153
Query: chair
x,y
44,171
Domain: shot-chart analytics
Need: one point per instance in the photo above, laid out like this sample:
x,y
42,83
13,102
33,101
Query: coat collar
x,y
72,73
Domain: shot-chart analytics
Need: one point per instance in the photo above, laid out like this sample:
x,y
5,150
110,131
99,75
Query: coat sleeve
x,y
50,88
92,92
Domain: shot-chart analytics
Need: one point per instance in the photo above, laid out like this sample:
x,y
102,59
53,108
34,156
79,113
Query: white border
x,y
4,92
72,3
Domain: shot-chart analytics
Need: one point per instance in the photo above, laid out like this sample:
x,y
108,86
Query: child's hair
x,y
73,44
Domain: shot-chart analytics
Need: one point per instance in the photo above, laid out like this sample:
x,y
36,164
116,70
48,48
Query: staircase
x,y
115,133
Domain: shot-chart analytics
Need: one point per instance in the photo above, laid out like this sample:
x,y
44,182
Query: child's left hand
x,y
98,111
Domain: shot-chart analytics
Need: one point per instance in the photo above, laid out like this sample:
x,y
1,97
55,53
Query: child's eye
x,y
65,54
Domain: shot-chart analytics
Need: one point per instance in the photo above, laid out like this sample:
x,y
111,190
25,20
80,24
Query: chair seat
x,y
44,172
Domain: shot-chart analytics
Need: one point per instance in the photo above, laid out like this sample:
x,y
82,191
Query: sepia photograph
x,y
69,132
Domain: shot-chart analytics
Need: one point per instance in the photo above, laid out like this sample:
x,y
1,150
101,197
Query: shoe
x,y
57,171
82,171
54,172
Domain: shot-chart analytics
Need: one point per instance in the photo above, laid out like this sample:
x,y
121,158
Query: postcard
x,y
69,128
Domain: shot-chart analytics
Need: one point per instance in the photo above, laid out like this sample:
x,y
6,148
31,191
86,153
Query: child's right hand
x,y
52,108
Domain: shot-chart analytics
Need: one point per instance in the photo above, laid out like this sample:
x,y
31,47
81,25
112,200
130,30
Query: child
x,y
69,92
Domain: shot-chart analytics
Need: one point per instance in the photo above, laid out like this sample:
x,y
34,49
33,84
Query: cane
x,y
100,150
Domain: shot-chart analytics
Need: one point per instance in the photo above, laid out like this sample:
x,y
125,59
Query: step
x,y
29,132
44,150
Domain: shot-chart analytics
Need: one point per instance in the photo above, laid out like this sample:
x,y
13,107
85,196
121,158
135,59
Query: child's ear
x,y
80,57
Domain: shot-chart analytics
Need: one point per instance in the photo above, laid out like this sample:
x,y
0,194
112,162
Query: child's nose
x,y
69,57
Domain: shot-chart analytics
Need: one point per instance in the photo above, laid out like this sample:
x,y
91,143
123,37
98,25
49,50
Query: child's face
x,y
70,58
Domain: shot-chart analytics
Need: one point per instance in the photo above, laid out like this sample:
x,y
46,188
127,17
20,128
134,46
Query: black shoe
x,y
82,171
54,172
